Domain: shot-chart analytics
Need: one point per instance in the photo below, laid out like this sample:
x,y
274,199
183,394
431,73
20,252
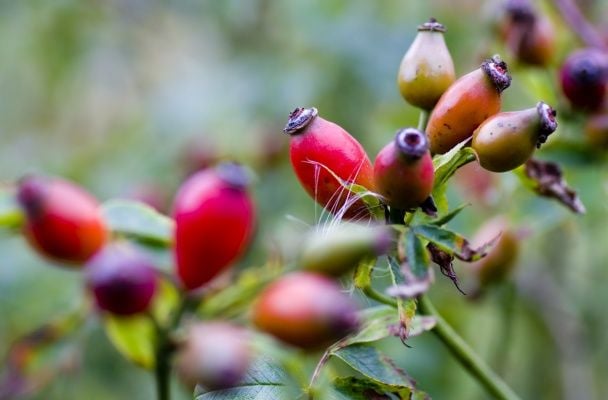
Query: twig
x,y
583,28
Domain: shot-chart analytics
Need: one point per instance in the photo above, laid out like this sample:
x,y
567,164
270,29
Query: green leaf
x,y
135,336
444,219
417,256
445,166
264,380
352,388
383,321
374,365
11,215
450,242
239,296
139,221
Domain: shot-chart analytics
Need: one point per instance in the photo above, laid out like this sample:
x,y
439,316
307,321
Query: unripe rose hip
x,y
214,221
306,310
466,104
501,258
507,140
338,249
584,79
427,69
317,144
122,280
63,222
213,354
529,34
403,170
596,131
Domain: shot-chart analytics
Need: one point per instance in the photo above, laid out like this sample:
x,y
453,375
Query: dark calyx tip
x,y
31,191
520,10
234,174
432,26
299,119
497,70
548,123
412,143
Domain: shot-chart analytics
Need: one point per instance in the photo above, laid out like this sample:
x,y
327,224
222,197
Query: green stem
x,y
162,372
465,355
423,118
164,350
379,297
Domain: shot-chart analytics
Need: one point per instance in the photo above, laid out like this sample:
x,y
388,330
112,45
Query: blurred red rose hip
x,y
63,222
214,219
122,280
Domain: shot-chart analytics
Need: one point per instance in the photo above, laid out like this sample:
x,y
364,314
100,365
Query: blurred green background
x,y
116,94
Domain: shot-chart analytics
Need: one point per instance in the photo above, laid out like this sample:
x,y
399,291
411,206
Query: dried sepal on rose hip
x,y
305,309
63,222
427,69
584,79
466,104
318,145
403,170
121,279
214,223
338,249
214,354
508,139
528,33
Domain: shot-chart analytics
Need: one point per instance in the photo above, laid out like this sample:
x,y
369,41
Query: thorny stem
x,y
575,18
465,355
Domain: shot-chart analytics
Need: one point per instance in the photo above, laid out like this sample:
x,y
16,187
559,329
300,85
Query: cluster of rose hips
x,y
530,37
214,222
214,213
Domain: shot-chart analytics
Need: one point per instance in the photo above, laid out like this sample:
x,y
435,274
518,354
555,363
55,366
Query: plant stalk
x,y
423,118
466,355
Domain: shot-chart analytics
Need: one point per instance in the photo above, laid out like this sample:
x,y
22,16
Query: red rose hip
x,y
63,222
214,220
306,310
403,170
317,144
122,279
584,79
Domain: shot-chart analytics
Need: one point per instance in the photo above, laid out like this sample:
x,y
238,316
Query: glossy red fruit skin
x,y
214,222
584,79
122,280
318,142
306,310
63,222
404,181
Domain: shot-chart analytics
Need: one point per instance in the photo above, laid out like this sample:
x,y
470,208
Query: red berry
x,y
122,279
306,310
584,78
403,170
63,222
466,104
214,354
214,216
317,144
529,35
